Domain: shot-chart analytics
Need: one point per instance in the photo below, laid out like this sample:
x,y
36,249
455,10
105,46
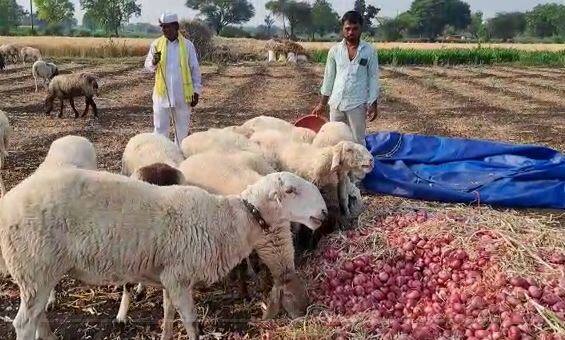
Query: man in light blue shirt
x,y
351,80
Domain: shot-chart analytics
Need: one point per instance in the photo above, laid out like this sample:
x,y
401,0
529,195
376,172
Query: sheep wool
x,y
44,71
70,86
145,149
332,133
70,151
172,237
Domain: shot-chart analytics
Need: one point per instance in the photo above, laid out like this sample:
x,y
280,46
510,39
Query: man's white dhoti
x,y
181,109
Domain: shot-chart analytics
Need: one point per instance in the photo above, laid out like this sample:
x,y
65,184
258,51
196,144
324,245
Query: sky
x,y
152,8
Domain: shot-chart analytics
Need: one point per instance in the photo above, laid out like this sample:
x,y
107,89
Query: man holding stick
x,y
178,81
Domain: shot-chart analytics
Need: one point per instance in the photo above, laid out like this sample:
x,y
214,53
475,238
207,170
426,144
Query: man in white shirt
x,y
178,81
351,79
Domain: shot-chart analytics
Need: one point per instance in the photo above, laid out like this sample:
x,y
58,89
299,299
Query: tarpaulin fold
x,y
466,171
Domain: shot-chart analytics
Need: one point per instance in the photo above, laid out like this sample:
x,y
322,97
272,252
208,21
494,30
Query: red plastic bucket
x,y
311,122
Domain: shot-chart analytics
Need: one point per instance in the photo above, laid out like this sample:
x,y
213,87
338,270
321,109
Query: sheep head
x,y
91,84
290,294
284,197
351,157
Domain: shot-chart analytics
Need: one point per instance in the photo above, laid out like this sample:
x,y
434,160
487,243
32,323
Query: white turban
x,y
168,18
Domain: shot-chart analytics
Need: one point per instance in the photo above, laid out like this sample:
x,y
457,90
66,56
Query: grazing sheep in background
x,y
332,133
149,148
30,53
70,86
10,52
44,71
171,237
5,132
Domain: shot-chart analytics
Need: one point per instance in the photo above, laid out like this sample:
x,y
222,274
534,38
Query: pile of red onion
x,y
429,289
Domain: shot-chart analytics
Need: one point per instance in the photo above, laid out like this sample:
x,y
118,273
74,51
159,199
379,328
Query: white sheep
x,y
296,134
30,53
70,151
70,86
216,139
44,71
73,222
328,167
5,133
332,133
149,148
224,173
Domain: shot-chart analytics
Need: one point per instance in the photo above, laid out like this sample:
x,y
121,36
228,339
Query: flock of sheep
x,y
59,86
177,217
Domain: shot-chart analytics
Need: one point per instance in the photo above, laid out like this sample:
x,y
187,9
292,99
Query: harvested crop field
x,y
520,105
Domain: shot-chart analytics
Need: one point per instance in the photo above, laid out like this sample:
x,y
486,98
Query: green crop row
x,y
475,56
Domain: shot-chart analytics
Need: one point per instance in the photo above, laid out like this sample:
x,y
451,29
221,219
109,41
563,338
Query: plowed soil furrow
x,y
475,93
551,75
518,91
457,94
507,76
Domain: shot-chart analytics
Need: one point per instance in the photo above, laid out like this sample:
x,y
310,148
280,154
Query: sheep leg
x,y
168,317
31,313
62,106
86,107
124,306
72,101
139,293
51,300
49,104
35,79
343,195
94,108
43,330
181,298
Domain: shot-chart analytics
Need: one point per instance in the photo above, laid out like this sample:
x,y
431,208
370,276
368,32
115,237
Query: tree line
x,y
425,19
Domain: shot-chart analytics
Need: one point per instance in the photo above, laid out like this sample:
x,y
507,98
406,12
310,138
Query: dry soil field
x,y
523,105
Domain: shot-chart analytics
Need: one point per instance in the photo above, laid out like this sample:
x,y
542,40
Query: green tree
x,y
324,18
278,8
111,14
477,26
546,20
10,15
369,13
269,23
55,12
299,16
433,15
89,21
506,26
221,13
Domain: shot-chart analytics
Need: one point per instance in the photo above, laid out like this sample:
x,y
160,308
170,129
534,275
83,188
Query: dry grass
x,y
123,47
83,47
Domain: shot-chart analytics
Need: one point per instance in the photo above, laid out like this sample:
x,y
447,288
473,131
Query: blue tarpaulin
x,y
466,171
